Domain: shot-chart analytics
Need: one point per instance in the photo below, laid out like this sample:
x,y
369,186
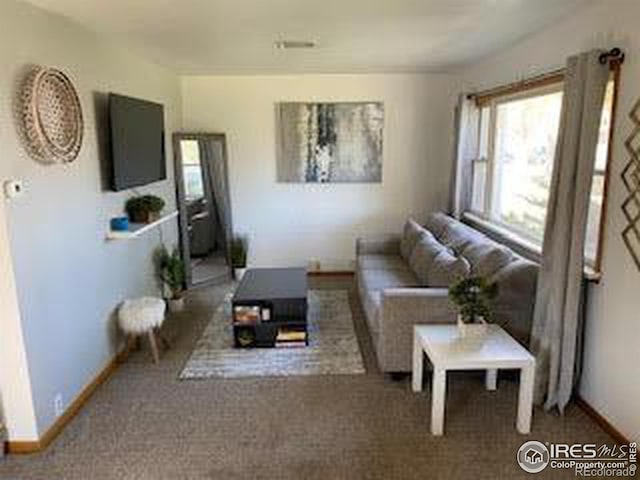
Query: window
x,y
512,173
595,219
191,170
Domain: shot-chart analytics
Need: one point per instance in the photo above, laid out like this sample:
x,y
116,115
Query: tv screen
x,y
137,142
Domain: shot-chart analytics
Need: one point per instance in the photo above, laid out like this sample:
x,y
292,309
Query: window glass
x,y
479,185
525,140
516,151
191,170
598,186
478,197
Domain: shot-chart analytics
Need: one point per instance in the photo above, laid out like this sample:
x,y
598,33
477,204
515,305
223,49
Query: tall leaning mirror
x,y
204,204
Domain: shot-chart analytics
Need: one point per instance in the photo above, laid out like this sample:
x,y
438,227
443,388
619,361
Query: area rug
x,y
333,346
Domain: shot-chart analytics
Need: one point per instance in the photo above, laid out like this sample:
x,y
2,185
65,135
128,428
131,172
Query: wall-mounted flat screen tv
x,y
137,142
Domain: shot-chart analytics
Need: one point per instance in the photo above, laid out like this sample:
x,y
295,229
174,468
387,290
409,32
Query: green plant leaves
x,y
171,270
473,296
144,203
238,253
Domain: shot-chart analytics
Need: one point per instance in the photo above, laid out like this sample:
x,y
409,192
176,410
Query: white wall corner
x,y
15,385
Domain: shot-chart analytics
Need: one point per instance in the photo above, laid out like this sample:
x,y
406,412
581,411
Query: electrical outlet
x,y
58,406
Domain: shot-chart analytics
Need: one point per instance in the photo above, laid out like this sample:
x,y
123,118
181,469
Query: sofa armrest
x,y
518,279
516,298
385,244
401,309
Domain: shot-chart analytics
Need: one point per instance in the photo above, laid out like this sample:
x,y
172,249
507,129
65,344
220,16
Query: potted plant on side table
x,y
473,296
239,249
171,268
144,208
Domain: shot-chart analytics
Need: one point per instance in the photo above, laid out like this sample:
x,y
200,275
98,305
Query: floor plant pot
x,y
238,273
477,329
176,305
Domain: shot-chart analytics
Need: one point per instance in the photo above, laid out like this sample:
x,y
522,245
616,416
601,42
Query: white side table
x,y
447,350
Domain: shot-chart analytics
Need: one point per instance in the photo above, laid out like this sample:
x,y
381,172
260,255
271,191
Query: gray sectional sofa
x,y
403,280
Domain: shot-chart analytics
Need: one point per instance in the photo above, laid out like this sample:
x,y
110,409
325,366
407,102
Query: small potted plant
x,y
172,274
473,296
144,208
239,248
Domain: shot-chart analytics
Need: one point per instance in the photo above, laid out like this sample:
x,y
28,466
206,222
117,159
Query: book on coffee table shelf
x,y
269,308
243,315
291,338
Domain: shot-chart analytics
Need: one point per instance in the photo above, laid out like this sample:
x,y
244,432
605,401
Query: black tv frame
x,y
116,181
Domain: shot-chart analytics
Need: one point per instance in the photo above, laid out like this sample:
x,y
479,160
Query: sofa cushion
x,y
487,257
410,236
380,279
381,262
437,222
458,236
423,255
446,269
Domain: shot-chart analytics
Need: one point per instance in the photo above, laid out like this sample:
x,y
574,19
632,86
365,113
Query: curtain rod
x,y
614,57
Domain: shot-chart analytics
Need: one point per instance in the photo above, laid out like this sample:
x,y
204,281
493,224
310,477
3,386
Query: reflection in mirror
x,y
201,173
191,170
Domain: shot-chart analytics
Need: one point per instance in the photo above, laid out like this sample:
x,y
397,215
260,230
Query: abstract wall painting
x,y
329,142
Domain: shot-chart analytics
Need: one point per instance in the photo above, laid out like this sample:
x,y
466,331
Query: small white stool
x,y
143,316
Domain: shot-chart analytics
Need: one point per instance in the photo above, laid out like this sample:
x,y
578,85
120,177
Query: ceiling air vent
x,y
291,44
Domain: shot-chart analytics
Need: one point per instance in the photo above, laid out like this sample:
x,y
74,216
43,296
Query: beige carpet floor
x,y
144,423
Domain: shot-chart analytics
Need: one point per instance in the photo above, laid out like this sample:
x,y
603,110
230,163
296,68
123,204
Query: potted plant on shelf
x,y
473,296
172,274
144,208
239,248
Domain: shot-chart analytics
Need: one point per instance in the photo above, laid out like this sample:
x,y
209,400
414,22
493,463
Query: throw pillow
x,y
487,258
447,269
458,236
437,223
423,255
411,235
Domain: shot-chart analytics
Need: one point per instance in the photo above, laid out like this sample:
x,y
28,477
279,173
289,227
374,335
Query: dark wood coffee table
x,y
269,308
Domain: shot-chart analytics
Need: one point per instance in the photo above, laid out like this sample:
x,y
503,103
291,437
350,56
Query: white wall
x,y
611,379
16,402
69,280
291,224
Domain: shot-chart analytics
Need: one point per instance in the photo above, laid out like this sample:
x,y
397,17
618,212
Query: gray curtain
x,y
214,163
466,124
557,325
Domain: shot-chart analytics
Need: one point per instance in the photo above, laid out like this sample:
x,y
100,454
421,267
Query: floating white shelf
x,y
137,229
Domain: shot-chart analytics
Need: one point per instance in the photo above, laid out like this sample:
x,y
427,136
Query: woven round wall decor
x,y
52,116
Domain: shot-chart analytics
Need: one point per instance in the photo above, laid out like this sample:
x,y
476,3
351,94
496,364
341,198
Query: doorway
x,y
204,205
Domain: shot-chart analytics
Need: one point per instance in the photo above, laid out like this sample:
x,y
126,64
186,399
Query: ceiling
x,y
237,36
